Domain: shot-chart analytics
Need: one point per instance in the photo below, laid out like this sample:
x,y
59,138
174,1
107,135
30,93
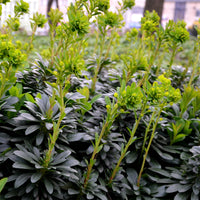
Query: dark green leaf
x,y
161,172
132,176
73,191
36,177
173,188
131,157
48,186
194,197
181,196
21,179
39,138
31,129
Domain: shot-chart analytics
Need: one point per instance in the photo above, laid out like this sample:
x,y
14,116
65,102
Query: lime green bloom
x,y
150,22
110,19
13,23
4,1
176,32
162,92
10,53
21,8
102,5
78,21
130,35
129,97
128,4
39,19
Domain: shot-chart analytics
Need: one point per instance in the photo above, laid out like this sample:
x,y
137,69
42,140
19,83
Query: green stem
x,y
96,42
148,147
160,62
56,129
147,130
105,128
123,154
90,166
32,38
171,60
110,43
152,59
52,45
195,66
94,79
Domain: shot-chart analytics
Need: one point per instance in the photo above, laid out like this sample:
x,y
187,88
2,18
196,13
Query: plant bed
x,y
99,115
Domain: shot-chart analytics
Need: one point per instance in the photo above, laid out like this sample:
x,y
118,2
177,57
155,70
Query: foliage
x,y
103,116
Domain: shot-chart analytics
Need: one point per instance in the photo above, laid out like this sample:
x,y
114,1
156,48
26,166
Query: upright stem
x,y
94,80
56,128
147,130
96,148
160,62
152,59
123,154
52,45
171,60
148,147
110,43
90,166
32,37
195,66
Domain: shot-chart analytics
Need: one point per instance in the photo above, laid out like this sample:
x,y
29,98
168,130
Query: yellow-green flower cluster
x,y
21,8
78,21
176,32
102,5
39,19
0,10
162,92
130,97
128,4
4,1
132,34
13,23
10,54
150,22
110,19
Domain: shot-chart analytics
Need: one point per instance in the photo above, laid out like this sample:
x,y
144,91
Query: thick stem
x,y
148,147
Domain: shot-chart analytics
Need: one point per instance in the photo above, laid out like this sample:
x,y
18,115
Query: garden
x,y
96,112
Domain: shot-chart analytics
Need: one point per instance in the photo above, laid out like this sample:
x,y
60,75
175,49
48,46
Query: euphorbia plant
x,y
176,34
107,22
130,97
159,95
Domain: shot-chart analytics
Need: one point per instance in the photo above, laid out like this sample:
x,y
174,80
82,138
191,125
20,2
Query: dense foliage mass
x,y
114,118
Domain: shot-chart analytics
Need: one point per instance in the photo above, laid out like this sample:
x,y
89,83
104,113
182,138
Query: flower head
x,y
128,4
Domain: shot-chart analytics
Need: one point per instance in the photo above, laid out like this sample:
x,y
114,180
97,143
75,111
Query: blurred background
x,y
187,10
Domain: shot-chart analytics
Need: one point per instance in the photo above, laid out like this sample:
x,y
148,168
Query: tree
x,y
49,5
156,5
